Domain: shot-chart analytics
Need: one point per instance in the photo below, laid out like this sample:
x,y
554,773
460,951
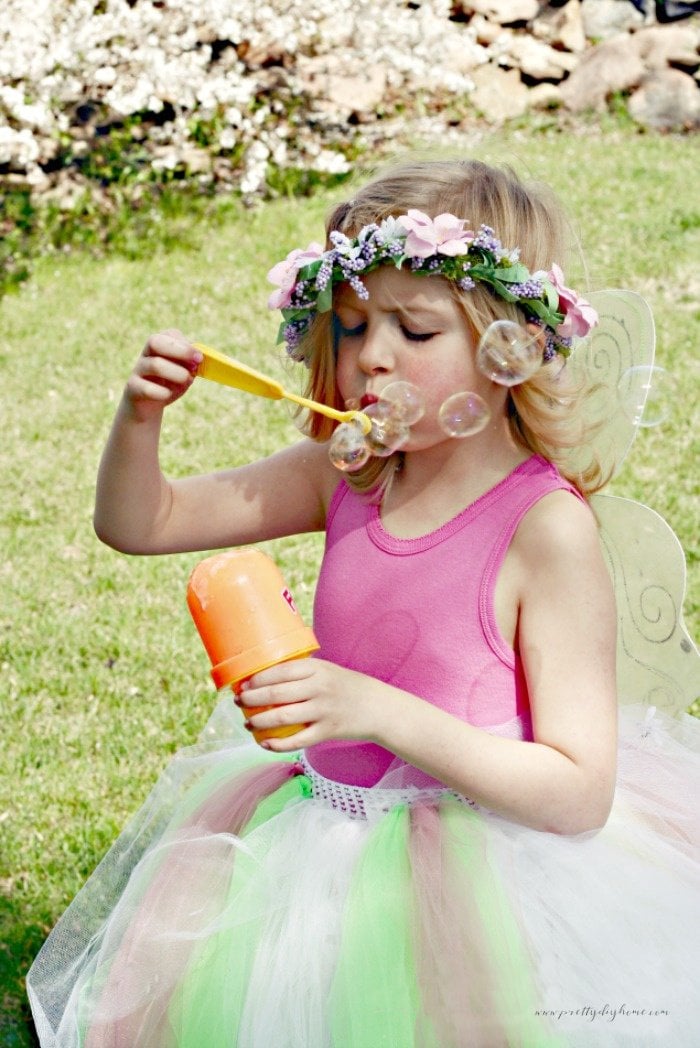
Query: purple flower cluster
x,y
293,334
324,274
487,240
553,343
529,289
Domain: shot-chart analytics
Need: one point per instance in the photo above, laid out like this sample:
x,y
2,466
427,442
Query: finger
x,y
290,743
282,673
143,389
164,369
279,717
169,343
284,694
175,346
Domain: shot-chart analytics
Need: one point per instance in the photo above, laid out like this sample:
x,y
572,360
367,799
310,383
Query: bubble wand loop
x,y
219,368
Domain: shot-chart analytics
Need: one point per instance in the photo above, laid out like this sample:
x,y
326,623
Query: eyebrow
x,y
417,312
404,312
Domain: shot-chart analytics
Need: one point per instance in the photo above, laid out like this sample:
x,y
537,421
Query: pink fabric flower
x,y
444,235
285,274
579,314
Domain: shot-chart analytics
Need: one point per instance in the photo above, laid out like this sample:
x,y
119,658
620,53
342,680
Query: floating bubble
x,y
646,394
348,449
508,353
407,401
388,432
464,414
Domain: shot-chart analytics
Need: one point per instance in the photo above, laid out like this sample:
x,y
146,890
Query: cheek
x,y
438,379
344,373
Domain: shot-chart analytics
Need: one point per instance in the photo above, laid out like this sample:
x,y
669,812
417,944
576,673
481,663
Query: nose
x,y
376,355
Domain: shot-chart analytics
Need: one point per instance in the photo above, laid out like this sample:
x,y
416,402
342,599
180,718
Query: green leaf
x,y
515,274
552,295
309,271
325,298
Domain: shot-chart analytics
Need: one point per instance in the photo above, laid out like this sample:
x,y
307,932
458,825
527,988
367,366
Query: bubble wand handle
x,y
217,367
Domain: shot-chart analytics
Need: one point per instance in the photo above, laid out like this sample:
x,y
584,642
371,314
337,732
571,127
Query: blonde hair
x,y
542,412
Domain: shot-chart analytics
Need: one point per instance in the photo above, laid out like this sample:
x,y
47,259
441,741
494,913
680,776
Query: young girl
x,y
435,859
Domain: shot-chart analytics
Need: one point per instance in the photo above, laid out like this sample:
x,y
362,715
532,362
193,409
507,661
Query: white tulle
x,y
608,920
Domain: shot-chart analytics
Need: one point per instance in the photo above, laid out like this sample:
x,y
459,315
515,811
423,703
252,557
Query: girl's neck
x,y
436,484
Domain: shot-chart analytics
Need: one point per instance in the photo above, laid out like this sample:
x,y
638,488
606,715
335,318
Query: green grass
x,y
102,675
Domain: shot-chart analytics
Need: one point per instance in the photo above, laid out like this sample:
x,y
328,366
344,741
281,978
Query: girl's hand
x,y
162,374
333,703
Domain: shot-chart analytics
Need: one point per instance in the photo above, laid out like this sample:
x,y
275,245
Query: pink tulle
x,y
186,893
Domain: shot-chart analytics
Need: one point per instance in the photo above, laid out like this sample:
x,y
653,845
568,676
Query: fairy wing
x,y
657,661
622,344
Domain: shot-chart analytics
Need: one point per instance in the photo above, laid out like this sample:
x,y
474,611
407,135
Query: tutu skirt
x,y
253,904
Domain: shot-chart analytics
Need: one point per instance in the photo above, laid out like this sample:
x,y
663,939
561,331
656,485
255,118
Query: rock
x,y
197,161
347,93
462,56
667,100
603,19
538,60
562,27
262,53
611,66
499,94
503,12
485,32
662,46
544,96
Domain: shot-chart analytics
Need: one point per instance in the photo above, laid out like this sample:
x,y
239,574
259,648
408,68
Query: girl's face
x,y
410,329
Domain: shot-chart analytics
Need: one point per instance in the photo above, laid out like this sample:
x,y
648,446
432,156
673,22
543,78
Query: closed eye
x,y
347,332
417,336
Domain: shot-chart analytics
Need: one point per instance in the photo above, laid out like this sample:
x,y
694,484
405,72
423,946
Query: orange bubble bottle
x,y
247,619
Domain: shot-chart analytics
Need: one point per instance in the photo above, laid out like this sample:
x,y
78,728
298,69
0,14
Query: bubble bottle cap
x,y
245,615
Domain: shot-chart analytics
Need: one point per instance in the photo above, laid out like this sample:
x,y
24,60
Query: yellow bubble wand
x,y
217,367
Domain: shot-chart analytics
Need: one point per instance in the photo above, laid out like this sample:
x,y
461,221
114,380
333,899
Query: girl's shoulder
x,y
557,537
560,519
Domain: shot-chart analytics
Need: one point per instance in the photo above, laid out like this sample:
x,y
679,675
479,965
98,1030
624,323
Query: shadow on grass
x,y
19,943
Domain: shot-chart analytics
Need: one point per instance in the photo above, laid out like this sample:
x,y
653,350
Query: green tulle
x,y
206,1008
377,999
377,966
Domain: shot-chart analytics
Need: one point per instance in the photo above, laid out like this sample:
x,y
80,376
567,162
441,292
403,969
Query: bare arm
x,y
138,510
563,781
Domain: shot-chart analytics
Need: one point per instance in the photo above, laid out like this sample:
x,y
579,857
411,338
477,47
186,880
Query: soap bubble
x,y
348,449
463,415
508,353
406,400
388,433
646,394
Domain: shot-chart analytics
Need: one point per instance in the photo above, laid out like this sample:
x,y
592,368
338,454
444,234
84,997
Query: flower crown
x,y
428,246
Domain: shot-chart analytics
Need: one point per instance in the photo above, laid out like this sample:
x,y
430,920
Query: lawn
x,y
102,675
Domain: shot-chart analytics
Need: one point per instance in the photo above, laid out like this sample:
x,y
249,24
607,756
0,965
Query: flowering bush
x,y
213,89
108,105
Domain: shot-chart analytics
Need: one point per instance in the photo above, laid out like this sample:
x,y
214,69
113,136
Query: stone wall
x,y
223,92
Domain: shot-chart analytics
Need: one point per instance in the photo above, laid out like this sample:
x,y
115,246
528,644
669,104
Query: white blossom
x,y
241,64
332,163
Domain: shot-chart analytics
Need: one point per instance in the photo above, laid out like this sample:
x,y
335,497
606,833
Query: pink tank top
x,y
419,613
